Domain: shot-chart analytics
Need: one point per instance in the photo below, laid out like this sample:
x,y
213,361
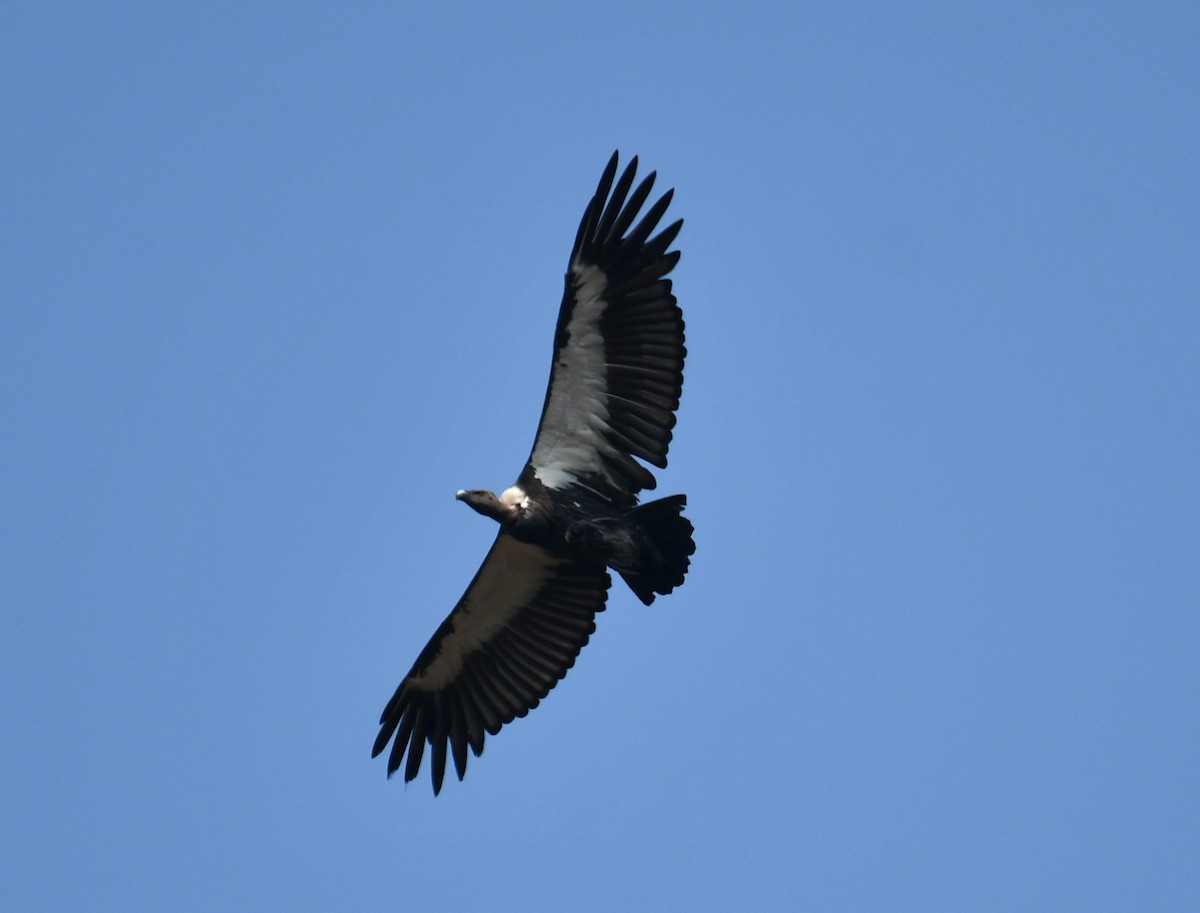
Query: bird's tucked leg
x,y
607,539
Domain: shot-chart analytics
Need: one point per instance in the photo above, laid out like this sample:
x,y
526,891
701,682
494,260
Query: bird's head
x,y
485,502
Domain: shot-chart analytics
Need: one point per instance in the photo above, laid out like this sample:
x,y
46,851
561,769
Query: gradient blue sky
x,y
278,279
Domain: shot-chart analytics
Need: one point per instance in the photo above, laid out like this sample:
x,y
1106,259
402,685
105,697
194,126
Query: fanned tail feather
x,y
667,535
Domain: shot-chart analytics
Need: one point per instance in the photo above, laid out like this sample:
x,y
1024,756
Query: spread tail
x,y
667,547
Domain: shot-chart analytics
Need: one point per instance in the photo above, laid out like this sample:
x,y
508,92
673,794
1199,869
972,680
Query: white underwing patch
x,y
511,576
572,432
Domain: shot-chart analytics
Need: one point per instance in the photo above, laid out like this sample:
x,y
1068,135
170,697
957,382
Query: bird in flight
x,y
615,380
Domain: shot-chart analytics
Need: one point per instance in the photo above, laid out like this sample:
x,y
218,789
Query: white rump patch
x,y
572,432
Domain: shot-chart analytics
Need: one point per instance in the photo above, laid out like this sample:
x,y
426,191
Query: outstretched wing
x,y
511,638
617,371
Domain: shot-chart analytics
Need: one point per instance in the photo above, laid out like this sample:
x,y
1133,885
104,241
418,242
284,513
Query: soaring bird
x,y
615,379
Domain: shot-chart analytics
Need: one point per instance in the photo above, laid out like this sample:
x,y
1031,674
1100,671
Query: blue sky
x,y
278,279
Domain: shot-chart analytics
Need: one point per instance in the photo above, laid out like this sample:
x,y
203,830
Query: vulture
x,y
616,375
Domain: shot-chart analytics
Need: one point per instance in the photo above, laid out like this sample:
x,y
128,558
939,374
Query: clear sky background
x,y
277,279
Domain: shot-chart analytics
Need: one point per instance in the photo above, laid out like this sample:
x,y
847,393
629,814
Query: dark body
x,y
647,544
